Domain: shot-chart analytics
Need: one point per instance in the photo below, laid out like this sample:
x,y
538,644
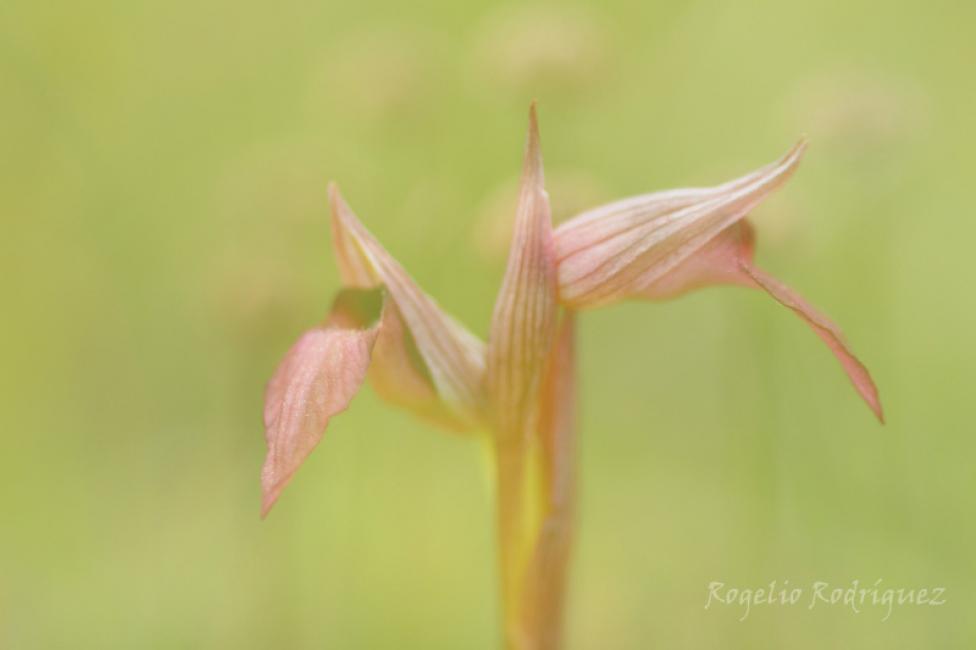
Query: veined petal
x,y
451,359
317,379
522,329
728,259
717,262
616,251
524,319
416,355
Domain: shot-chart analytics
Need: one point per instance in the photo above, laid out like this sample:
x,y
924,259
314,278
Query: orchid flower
x,y
518,390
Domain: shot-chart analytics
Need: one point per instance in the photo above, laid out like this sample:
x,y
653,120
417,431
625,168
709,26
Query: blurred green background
x,y
165,238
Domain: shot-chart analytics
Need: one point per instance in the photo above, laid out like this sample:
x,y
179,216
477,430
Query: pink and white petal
x,y
454,357
524,319
613,252
618,217
317,379
828,332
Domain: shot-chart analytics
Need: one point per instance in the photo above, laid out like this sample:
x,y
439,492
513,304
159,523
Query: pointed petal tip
x,y
316,380
335,196
269,495
787,163
796,152
341,212
524,318
266,504
337,202
533,151
784,168
273,483
869,393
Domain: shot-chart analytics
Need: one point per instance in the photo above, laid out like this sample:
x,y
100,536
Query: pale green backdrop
x,y
165,237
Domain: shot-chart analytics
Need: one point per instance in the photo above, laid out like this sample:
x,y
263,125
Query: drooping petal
x,y
617,251
728,259
828,332
545,579
451,359
524,319
317,379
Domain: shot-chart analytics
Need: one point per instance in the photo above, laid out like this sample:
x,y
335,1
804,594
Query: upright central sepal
x,y
522,332
524,320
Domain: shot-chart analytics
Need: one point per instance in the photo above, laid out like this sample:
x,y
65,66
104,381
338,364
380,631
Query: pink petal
x,y
317,379
454,359
717,262
617,251
825,329
422,359
524,319
727,259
